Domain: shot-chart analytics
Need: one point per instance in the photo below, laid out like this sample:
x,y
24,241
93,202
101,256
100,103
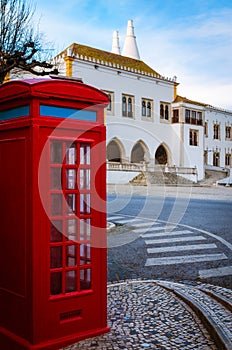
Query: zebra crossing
x,y
163,238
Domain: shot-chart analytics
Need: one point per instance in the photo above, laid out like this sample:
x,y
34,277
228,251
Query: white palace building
x,y
149,126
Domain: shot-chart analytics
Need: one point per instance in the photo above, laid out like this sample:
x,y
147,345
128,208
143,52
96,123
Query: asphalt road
x,y
198,247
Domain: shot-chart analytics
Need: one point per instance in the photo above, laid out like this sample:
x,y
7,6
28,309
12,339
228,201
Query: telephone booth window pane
x,y
71,255
84,154
71,204
85,254
55,178
56,204
55,257
71,155
71,233
56,152
85,179
71,281
84,203
56,283
71,179
56,231
85,229
85,279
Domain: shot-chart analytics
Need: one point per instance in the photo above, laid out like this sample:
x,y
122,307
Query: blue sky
x,y
190,39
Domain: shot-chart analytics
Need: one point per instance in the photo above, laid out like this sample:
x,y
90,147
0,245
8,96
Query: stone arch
x,y
115,151
140,153
161,155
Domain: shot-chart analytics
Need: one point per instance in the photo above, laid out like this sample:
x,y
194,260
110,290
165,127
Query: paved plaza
x,y
145,314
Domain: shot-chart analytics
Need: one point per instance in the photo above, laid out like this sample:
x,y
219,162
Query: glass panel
x,y
56,283
71,281
84,203
56,204
85,179
71,155
55,257
56,231
85,229
71,233
85,254
85,279
56,178
70,179
71,255
56,152
84,154
71,204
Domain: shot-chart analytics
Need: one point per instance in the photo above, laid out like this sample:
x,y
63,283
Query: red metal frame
x,y
47,298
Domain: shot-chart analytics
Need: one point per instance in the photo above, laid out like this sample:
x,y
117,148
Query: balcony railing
x,y
147,167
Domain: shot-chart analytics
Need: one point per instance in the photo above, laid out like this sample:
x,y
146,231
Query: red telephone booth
x,y
53,215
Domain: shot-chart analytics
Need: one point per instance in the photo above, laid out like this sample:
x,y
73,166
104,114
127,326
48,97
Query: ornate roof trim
x,y
101,57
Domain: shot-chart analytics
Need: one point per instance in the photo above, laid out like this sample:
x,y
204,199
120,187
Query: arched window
x,y
161,111
130,113
143,108
109,107
127,106
124,107
148,109
166,112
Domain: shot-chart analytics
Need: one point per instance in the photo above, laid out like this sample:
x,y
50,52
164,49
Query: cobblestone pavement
x,y
142,314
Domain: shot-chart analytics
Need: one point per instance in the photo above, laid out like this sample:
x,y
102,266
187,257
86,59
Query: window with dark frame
x,y
216,159
175,116
187,116
206,129
228,159
228,132
216,132
193,137
161,111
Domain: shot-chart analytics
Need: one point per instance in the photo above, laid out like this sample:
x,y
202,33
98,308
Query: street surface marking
x,y
164,234
111,218
220,271
150,229
176,239
184,259
181,248
161,228
142,224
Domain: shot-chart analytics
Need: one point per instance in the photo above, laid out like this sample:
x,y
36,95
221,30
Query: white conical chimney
x,y
130,48
115,43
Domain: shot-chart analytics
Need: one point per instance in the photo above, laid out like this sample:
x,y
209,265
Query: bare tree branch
x,y
20,44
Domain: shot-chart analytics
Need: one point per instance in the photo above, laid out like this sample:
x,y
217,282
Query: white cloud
x,y
197,50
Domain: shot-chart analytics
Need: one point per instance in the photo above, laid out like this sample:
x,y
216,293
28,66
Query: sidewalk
x,y
191,192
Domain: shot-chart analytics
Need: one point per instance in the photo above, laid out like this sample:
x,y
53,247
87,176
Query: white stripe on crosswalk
x,y
184,259
161,228
181,248
220,271
111,218
164,234
175,239
144,224
145,229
